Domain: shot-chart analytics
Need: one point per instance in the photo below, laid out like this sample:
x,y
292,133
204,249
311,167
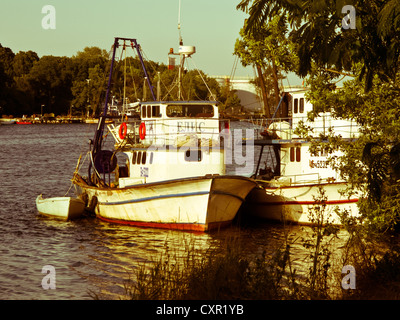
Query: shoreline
x,y
56,120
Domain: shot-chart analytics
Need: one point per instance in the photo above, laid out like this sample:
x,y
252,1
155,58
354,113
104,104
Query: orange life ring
x,y
123,130
142,131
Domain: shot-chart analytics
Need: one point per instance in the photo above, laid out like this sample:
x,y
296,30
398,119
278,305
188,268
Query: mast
x,y
98,137
184,52
181,59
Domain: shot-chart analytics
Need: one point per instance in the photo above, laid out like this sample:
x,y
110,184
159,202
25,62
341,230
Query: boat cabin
x,y
293,163
172,140
293,110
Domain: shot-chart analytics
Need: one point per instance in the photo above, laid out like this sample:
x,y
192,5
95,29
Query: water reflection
x,y
112,253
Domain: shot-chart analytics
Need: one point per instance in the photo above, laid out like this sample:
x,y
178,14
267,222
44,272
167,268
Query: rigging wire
x,y
234,67
202,78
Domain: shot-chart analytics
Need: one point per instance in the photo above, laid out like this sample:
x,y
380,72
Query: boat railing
x,y
176,132
297,179
284,128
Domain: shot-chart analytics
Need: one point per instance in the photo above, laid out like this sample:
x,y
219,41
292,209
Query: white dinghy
x,y
62,207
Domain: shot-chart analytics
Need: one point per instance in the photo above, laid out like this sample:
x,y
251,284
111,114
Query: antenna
x,y
179,24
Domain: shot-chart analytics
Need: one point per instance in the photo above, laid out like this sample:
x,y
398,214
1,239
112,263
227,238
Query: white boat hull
x,y
195,204
7,122
62,207
293,203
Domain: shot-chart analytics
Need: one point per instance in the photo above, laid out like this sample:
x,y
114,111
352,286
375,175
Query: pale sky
x,y
212,26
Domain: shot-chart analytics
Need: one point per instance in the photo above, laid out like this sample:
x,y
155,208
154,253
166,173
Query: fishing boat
x,y
296,180
173,171
24,122
67,208
8,121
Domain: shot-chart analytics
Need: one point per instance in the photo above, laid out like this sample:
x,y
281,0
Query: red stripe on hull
x,y
280,203
197,227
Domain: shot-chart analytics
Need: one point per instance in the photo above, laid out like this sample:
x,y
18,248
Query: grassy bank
x,y
229,272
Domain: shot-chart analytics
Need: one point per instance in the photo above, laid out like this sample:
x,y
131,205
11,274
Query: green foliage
x,y
316,27
225,273
271,53
61,84
319,246
370,163
371,53
51,79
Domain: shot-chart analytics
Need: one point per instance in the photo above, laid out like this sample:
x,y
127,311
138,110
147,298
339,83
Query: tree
x,y
88,58
23,62
316,27
372,162
88,93
16,95
27,82
22,65
196,85
51,80
270,52
228,97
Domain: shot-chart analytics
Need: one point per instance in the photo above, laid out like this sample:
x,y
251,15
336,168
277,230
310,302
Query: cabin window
x,y
295,154
134,157
156,111
144,156
151,158
143,111
193,155
190,110
291,154
148,111
139,158
301,105
296,106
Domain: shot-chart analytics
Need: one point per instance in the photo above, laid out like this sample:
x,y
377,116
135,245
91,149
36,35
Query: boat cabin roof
x,y
178,109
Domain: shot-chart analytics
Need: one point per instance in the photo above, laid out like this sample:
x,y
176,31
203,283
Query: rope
x,y
77,168
201,76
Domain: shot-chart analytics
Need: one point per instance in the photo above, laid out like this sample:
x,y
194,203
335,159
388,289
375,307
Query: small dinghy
x,y
62,207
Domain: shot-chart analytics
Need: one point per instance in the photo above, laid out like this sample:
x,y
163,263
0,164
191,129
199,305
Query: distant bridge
x,y
250,99
245,90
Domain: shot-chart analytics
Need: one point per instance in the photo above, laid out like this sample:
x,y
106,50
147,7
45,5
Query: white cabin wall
x,y
324,121
163,164
310,167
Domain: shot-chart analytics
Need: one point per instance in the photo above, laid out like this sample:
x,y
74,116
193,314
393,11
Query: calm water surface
x,y
88,255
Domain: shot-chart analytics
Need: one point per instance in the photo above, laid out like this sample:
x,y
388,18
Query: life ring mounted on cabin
x,y
123,130
142,131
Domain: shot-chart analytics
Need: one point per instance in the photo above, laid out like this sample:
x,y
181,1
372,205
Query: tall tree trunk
x,y
264,92
276,83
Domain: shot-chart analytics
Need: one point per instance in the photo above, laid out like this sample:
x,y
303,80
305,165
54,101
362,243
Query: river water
x,y
88,255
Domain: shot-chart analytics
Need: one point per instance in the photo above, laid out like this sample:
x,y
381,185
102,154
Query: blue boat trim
x,y
228,194
174,195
